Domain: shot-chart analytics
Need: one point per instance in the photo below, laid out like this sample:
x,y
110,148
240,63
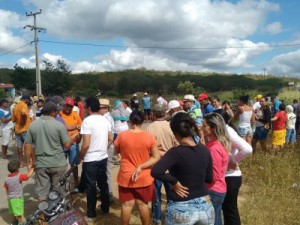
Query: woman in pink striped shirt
x,y
219,145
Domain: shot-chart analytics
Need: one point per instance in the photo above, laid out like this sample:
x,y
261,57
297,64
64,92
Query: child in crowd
x,y
279,131
290,138
14,189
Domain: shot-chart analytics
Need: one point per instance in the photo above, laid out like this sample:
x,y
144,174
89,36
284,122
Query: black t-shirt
x,y
191,166
134,103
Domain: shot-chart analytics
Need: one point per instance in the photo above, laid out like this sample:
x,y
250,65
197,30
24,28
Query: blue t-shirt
x,y
146,100
197,104
208,108
276,106
4,113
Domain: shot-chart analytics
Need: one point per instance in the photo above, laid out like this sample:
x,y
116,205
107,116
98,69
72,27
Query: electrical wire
x,y
13,50
170,48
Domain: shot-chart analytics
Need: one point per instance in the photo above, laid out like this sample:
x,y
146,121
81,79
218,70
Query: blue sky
x,y
221,36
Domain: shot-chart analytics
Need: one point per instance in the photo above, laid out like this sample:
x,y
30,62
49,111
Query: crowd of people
x,y
192,147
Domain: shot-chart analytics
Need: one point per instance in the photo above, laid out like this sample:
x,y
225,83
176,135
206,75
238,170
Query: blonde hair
x,y
216,121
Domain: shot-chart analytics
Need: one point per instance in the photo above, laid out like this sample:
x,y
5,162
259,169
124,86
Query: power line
x,y
170,48
13,50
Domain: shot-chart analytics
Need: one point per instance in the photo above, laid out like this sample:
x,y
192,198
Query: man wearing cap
x,y
174,107
206,107
161,131
146,100
22,121
190,107
49,137
104,111
73,124
134,102
59,102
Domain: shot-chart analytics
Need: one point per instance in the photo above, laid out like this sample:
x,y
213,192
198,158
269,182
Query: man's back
x,y
98,127
19,109
163,134
49,136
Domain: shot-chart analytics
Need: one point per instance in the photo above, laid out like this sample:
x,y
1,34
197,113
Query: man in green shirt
x,y
49,137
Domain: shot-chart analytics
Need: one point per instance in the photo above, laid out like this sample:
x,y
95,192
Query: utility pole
x,y
36,47
265,73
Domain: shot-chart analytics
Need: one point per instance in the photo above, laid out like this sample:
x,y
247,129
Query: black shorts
x,y
147,112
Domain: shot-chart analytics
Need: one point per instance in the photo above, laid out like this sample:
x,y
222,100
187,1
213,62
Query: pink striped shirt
x,y
220,159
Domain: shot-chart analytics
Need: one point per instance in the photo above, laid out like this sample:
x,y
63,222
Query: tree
x,y
185,87
56,78
23,78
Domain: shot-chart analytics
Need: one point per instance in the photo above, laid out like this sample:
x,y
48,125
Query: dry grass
x,y
271,189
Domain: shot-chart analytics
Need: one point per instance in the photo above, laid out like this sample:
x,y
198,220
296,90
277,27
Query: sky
x,y
233,36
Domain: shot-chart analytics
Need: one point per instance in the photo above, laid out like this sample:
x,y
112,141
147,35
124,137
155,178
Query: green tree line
x,y
58,79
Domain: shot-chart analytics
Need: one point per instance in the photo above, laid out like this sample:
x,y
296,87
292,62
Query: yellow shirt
x,y
21,109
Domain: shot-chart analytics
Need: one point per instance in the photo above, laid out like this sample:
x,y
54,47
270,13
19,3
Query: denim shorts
x,y
260,133
20,139
73,154
290,135
245,131
195,211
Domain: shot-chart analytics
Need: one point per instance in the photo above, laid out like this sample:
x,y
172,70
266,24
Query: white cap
x,y
172,105
188,98
134,95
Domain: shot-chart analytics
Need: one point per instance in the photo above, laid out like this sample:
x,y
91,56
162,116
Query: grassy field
x,y
271,188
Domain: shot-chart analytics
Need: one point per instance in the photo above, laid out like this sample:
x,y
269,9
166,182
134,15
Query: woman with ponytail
x,y
219,145
139,152
189,167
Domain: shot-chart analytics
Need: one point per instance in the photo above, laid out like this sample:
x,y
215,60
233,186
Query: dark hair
x,y
217,98
282,107
93,103
126,102
226,102
226,117
13,166
244,99
183,125
137,117
295,101
3,101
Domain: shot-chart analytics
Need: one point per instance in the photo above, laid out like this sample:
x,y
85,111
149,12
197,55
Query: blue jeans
x,y
198,211
217,200
156,205
73,154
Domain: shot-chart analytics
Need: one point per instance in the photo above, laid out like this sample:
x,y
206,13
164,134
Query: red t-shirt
x,y
135,150
282,118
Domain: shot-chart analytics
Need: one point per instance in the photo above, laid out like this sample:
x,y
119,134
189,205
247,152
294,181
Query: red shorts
x,y
145,194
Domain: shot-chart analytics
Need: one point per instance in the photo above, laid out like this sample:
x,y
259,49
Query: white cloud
x,y
274,28
286,64
204,25
10,21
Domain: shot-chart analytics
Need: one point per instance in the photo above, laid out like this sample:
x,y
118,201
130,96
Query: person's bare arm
x,y
86,140
274,118
154,157
110,138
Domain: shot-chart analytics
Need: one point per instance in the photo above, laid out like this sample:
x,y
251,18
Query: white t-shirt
x,y
98,127
241,149
129,110
160,100
76,109
256,106
291,122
